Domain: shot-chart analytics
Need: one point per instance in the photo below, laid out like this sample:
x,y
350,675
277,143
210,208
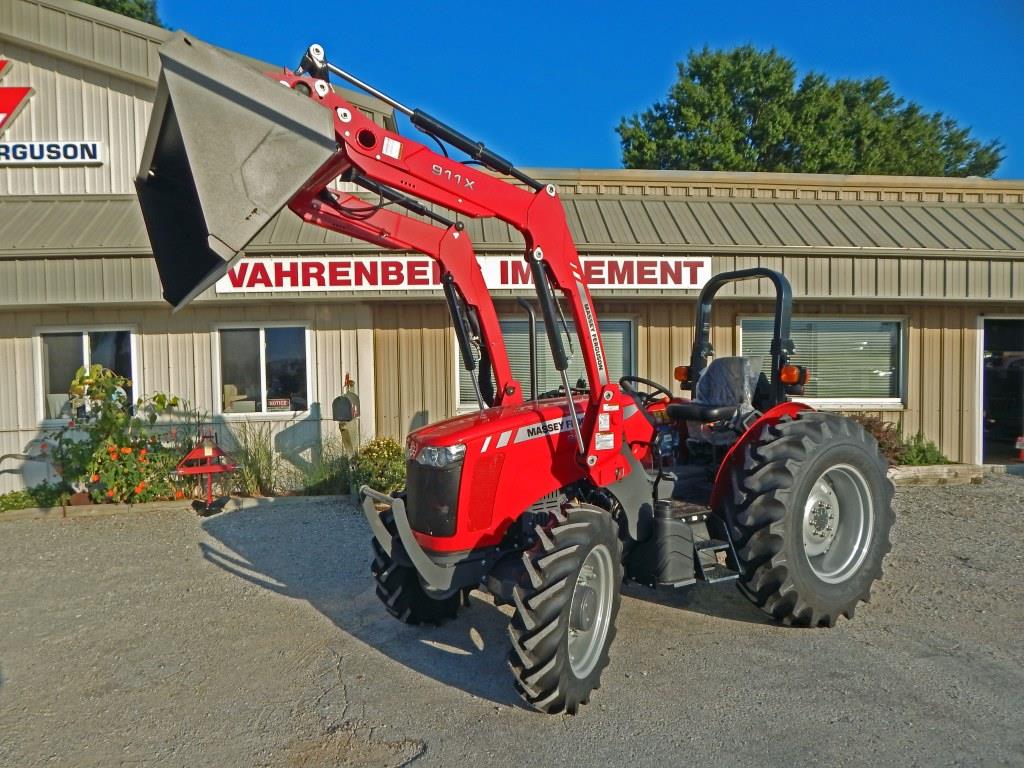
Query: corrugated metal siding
x,y
941,354
74,102
175,355
92,35
415,373
94,75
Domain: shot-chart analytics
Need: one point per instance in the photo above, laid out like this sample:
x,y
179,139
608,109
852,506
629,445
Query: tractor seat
x,y
694,411
723,387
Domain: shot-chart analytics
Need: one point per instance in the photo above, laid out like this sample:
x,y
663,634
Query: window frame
x,y
215,370
898,403
83,331
472,407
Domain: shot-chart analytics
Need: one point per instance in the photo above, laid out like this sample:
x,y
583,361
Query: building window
x,y
263,370
64,352
849,360
617,336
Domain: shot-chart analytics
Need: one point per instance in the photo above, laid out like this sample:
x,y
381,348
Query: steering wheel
x,y
645,398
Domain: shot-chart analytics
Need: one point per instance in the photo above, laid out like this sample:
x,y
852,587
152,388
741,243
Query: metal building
x,y
910,291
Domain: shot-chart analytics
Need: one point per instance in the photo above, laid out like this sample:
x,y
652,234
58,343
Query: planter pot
x,y
79,499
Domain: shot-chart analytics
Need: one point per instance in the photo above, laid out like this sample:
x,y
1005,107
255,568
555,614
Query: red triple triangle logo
x,y
12,99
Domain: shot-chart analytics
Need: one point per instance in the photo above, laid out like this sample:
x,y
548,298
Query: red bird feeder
x,y
209,459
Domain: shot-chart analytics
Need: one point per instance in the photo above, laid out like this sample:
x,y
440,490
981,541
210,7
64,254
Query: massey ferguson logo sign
x,y
419,273
12,100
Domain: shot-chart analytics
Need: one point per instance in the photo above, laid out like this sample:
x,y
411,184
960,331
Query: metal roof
x,y
112,224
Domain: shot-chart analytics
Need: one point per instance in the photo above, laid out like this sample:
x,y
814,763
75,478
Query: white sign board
x,y
420,273
51,153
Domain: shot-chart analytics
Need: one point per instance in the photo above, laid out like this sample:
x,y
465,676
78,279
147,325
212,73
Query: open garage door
x,y
1003,391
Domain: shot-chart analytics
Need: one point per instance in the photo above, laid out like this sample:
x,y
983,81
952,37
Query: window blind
x,y
617,336
847,358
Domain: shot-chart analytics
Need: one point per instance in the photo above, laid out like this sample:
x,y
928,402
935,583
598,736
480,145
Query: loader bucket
x,y
227,148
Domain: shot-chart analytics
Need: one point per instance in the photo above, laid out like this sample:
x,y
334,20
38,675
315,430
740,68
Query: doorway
x,y
1003,391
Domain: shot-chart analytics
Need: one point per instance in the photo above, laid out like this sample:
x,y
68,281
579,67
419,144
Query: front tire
x,y
401,591
564,620
810,509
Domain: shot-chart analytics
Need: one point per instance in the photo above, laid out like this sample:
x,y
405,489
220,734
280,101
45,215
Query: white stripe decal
x,y
487,442
631,410
505,437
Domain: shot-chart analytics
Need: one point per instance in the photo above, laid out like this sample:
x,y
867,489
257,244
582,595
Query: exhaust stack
x,y
227,148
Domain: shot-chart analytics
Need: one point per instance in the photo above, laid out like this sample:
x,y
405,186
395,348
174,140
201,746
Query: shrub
x,y
920,452
112,449
379,464
44,495
258,466
890,441
916,451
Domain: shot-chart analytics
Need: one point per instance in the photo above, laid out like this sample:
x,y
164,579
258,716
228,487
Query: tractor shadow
x,y
319,552
721,601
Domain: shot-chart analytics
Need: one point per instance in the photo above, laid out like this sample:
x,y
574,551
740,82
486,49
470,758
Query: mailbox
x,y
345,408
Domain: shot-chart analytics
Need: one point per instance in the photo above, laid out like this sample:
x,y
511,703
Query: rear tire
x,y
564,621
401,591
810,510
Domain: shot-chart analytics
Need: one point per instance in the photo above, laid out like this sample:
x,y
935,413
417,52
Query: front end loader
x,y
545,500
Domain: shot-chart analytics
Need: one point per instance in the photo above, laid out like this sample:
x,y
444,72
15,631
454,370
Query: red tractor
x,y
546,500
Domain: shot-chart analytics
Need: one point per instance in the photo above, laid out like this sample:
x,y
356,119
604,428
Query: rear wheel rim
x,y
590,610
837,524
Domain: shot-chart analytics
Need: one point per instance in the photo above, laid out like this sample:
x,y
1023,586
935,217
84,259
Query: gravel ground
x,y
254,639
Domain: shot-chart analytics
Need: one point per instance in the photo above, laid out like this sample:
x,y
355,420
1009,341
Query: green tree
x,y
143,10
742,110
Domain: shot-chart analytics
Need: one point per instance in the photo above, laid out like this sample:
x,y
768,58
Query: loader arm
x,y
450,248
368,151
376,158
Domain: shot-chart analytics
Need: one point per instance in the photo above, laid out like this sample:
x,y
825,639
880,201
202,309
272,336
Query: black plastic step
x,y
712,561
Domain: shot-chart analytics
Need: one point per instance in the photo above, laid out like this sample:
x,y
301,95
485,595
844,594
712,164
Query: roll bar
x,y
782,345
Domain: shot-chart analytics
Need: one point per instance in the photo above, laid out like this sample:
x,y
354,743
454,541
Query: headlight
x,y
435,456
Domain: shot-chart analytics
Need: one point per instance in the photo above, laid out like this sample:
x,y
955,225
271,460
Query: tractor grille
x,y
432,496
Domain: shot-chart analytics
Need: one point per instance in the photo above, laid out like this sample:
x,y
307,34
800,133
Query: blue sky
x,y
545,83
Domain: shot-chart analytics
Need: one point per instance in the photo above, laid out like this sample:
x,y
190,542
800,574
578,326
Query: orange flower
x,y
140,488
179,494
95,478
110,493
126,450
142,451
143,461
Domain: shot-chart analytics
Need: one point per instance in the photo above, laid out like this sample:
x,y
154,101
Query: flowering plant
x,y
112,448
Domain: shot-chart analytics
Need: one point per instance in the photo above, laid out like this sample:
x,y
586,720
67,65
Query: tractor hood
x,y
477,426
